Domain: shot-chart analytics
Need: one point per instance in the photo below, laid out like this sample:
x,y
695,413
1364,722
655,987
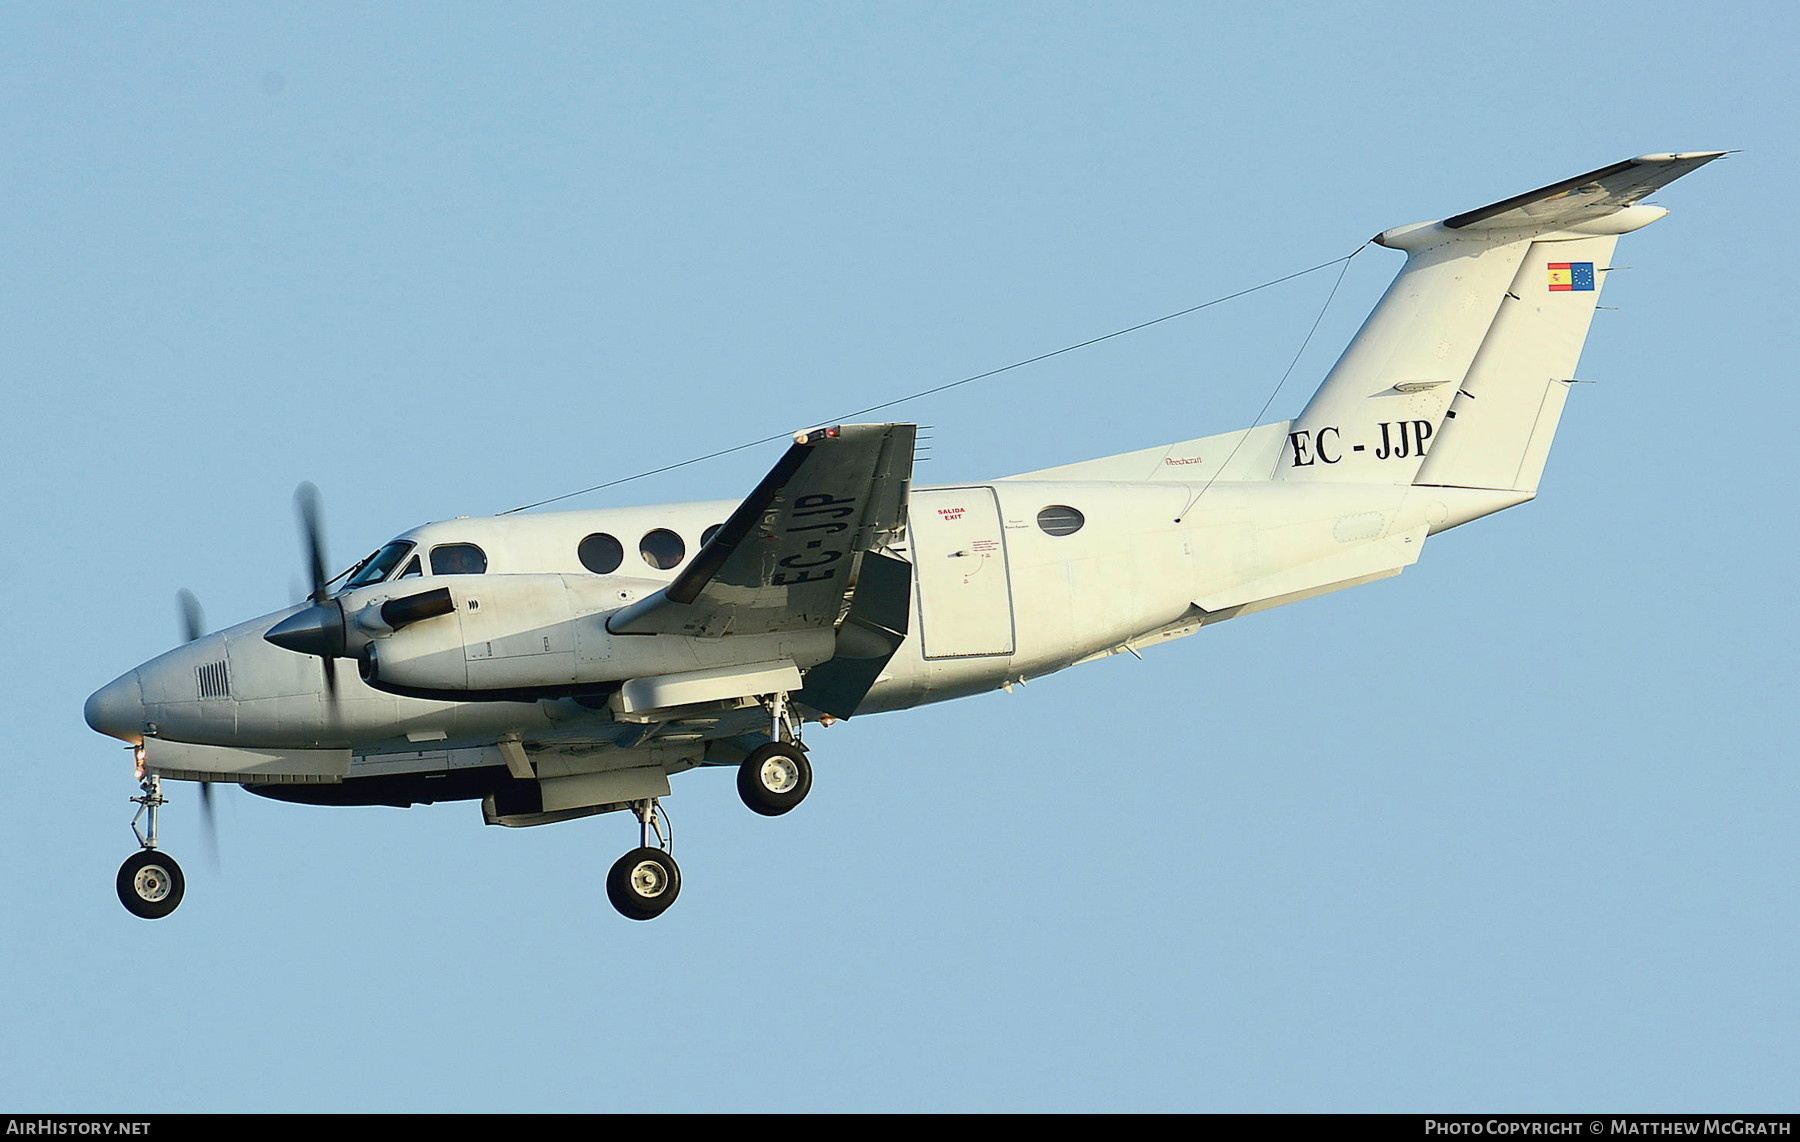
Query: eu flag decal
x,y
1571,276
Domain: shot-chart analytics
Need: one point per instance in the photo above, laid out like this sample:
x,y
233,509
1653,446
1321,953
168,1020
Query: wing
x,y
1586,196
790,552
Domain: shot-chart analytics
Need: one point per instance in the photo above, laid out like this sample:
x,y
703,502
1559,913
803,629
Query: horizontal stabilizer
x,y
1384,406
1585,197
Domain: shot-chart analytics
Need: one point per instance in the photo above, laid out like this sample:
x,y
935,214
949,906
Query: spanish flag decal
x,y
1571,276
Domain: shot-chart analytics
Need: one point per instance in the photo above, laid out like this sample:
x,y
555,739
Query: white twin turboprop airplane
x,y
564,664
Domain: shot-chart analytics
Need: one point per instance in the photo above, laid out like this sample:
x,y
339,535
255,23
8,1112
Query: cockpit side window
x,y
376,567
412,569
458,559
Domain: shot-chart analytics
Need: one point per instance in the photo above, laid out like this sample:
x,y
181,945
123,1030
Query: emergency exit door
x,y
959,553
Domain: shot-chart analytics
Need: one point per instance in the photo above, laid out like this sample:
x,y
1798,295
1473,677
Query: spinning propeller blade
x,y
193,619
193,625
312,538
209,824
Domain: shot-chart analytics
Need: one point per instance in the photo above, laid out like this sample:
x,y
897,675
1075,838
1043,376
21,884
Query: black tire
x,y
643,883
774,778
150,884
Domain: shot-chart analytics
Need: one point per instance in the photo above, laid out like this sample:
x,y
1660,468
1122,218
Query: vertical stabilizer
x,y
1381,404
1497,431
1458,376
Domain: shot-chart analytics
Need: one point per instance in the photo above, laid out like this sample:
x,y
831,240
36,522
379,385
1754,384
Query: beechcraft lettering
x,y
614,649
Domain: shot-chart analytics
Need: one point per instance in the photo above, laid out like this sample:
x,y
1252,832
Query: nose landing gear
x,y
645,881
150,883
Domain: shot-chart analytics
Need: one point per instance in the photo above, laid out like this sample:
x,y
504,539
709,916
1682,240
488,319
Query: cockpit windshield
x,y
376,567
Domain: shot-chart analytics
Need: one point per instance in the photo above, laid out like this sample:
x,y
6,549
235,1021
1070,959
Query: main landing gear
x,y
776,777
150,882
772,780
646,880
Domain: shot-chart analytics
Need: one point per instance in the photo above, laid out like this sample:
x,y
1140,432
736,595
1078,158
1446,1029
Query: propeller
x,y
193,625
209,824
193,619
312,539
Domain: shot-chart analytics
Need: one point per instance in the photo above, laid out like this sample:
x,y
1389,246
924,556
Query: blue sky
x,y
1511,832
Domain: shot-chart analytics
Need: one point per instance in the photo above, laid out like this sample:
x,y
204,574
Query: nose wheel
x,y
645,881
150,883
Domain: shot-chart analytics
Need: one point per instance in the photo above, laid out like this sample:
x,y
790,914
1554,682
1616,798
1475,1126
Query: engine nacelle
x,y
545,632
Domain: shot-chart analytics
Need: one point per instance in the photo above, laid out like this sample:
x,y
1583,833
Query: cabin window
x,y
376,567
706,536
458,559
1060,519
662,549
601,553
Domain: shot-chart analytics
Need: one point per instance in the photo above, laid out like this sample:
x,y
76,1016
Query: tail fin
x,y
1459,374
1497,431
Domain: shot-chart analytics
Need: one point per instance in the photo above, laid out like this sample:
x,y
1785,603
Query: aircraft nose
x,y
117,708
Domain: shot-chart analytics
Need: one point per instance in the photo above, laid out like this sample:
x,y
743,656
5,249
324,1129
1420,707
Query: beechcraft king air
x,y
562,664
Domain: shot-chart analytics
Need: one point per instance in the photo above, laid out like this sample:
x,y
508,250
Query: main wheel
x,y
150,884
774,778
643,883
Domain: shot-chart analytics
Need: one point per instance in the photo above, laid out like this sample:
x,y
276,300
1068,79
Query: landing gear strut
x,y
150,883
776,777
645,881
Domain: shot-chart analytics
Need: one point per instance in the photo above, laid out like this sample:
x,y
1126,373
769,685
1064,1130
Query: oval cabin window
x,y
601,553
1060,519
662,549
